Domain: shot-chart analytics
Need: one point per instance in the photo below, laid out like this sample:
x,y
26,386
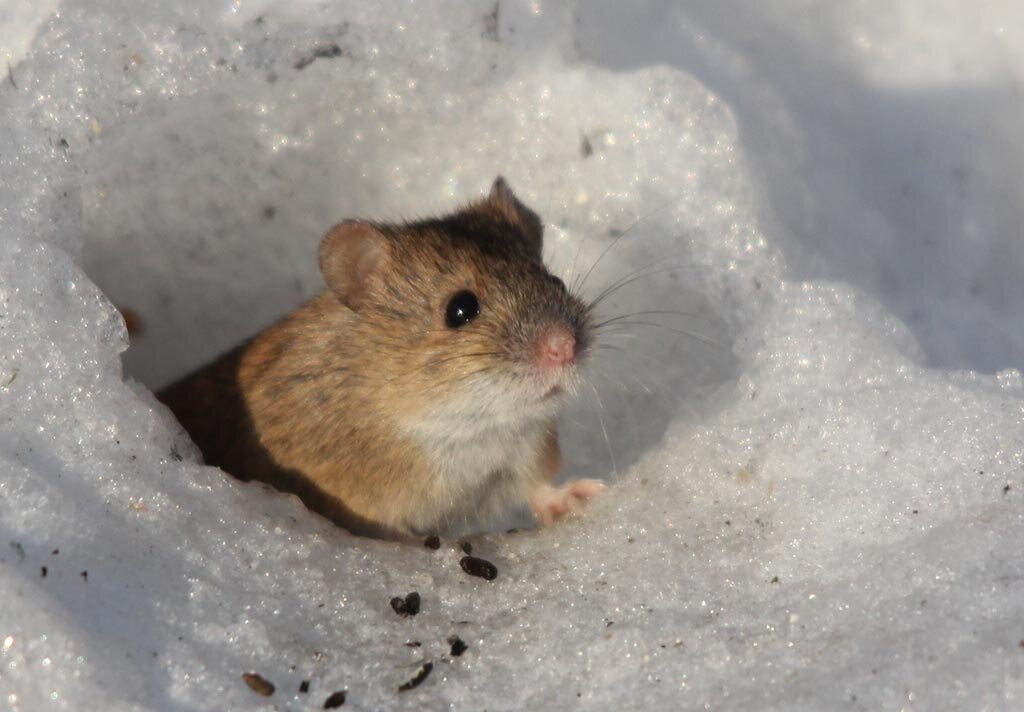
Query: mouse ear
x,y
350,253
506,202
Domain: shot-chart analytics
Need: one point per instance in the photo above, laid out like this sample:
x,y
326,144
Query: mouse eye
x,y
461,309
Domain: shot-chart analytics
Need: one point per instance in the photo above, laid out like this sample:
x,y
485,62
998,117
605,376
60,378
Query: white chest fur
x,y
478,479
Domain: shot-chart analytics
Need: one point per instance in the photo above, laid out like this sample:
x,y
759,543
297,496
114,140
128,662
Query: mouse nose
x,y
556,347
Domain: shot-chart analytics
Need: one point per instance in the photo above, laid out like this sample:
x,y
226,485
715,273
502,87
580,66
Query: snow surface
x,y
815,505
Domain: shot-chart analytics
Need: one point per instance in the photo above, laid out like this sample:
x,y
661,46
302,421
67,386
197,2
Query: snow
x,y
817,504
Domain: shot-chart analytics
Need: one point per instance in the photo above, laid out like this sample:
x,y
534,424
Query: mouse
x,y
419,393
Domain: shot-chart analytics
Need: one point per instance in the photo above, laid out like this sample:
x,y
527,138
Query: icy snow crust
x,y
804,515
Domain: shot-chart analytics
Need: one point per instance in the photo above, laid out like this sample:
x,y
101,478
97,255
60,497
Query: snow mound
x,y
804,512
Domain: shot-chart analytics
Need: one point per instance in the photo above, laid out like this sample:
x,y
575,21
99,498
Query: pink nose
x,y
556,347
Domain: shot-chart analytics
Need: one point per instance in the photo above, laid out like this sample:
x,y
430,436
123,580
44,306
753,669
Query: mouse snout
x,y
556,347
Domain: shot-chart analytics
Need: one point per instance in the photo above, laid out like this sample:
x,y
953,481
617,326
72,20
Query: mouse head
x,y
460,326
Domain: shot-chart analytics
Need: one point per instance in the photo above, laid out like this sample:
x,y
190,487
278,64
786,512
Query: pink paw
x,y
549,504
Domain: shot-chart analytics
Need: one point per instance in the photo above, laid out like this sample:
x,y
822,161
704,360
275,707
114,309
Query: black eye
x,y
461,309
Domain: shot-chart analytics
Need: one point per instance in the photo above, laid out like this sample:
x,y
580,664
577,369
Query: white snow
x,y
818,504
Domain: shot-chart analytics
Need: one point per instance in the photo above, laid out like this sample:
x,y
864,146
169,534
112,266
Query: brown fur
x,y
328,402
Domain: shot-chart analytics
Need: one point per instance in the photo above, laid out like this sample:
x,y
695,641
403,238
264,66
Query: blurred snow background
x,y
818,505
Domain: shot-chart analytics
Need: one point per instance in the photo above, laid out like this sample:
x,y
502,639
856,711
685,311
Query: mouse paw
x,y
549,504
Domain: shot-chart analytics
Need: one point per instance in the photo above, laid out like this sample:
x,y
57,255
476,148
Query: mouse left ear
x,y
351,253
505,201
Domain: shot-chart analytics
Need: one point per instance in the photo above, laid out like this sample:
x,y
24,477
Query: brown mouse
x,y
419,393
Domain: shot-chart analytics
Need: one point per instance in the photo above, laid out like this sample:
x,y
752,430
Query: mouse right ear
x,y
350,254
528,222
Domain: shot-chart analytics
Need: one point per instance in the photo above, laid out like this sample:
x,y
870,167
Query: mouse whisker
x,y
619,382
631,353
625,232
610,347
620,332
634,276
667,398
646,312
600,419
572,270
681,332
